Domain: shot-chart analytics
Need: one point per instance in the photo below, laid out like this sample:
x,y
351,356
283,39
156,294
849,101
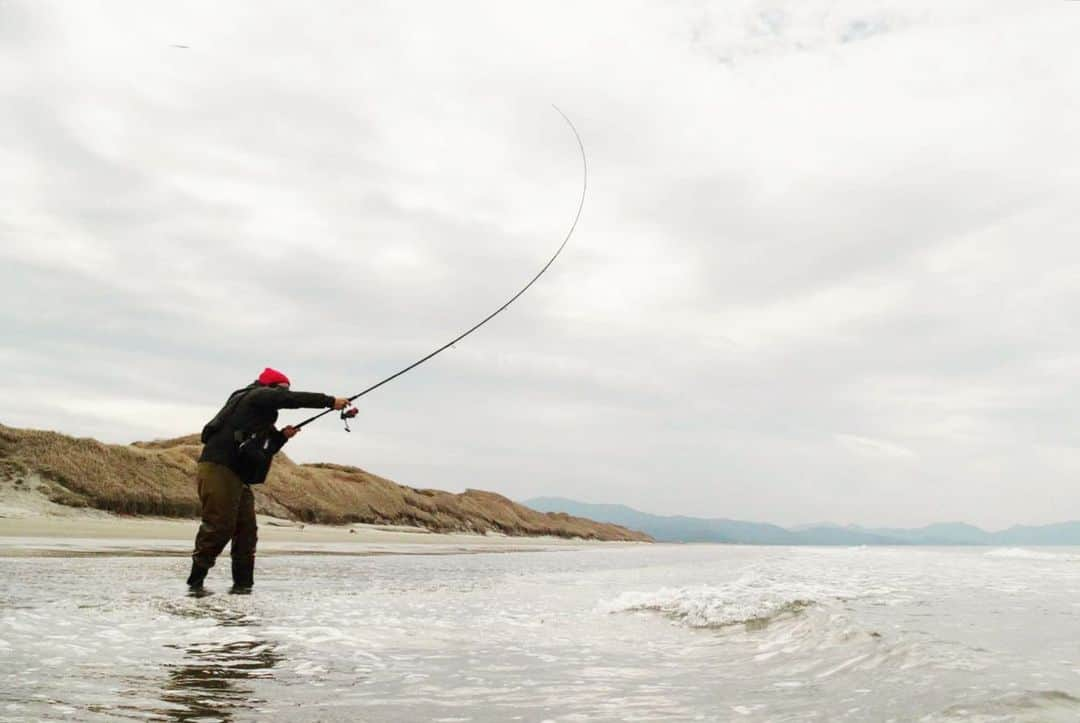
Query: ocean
x,y
642,633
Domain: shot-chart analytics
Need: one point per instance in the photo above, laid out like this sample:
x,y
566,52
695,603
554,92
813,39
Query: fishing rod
x,y
349,413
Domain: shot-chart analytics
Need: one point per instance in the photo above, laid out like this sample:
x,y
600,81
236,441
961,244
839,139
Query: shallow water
x,y
647,633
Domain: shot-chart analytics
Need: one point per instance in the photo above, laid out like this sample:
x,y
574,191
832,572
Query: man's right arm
x,y
287,399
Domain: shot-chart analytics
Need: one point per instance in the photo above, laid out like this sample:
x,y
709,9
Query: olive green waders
x,y
228,515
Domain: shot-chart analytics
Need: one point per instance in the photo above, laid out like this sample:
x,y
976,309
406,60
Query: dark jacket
x,y
252,411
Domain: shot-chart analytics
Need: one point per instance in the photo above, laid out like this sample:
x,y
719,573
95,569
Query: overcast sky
x,y
827,269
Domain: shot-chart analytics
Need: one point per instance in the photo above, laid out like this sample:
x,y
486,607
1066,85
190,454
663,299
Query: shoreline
x,y
83,533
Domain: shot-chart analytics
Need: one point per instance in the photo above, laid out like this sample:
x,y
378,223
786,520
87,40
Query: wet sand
x,y
33,525
81,533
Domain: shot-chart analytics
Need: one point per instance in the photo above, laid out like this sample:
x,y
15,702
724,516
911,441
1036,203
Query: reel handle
x,y
347,414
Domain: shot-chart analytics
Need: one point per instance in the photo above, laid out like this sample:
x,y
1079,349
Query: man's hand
x,y
340,402
290,431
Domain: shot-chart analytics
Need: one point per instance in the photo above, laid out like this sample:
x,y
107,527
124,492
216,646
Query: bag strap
x,y
214,425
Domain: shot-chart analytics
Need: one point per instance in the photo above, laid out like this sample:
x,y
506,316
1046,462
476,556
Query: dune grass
x,y
158,478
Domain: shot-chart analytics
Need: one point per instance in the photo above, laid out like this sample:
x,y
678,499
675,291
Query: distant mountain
x,y
699,529
1062,533
941,533
696,529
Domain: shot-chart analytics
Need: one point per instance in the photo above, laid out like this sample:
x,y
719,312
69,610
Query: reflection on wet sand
x,y
209,684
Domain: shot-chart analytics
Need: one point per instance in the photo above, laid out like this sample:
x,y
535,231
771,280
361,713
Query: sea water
x,y
714,633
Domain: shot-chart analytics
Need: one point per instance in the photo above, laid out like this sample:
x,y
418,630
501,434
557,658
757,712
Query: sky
x,y
827,268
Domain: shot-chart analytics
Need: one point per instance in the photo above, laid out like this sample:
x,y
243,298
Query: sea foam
x,y
747,601
1021,553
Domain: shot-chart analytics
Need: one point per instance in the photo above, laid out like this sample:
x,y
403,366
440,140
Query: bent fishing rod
x,y
351,412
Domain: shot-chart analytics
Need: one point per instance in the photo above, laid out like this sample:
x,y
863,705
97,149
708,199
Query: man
x,y
239,445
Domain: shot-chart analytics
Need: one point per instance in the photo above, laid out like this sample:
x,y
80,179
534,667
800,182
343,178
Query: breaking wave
x,y
1021,553
1043,706
747,602
707,607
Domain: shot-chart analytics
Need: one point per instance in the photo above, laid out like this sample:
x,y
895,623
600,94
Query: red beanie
x,y
272,376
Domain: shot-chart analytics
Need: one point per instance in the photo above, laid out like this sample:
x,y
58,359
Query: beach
x,y
87,533
33,524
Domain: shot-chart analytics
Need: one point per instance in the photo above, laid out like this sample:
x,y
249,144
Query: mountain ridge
x,y
682,528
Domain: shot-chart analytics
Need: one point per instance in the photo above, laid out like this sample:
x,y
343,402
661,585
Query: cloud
x,y
804,219
880,447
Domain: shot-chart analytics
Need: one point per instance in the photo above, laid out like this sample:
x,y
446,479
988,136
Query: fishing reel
x,y
348,413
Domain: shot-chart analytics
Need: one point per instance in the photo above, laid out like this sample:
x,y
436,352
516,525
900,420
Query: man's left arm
x,y
279,437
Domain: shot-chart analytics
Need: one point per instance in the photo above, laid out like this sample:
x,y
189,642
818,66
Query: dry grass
x,y
158,478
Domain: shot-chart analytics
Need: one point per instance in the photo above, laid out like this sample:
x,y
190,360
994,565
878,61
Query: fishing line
x,y
347,414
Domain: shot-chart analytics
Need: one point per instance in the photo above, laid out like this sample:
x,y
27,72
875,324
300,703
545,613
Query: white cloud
x,y
864,445
804,218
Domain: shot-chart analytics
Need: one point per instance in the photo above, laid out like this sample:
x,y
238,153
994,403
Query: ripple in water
x,y
681,633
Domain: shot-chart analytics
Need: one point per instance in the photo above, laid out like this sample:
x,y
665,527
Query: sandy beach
x,y
31,525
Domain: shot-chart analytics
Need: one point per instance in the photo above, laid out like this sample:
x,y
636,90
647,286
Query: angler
x,y
241,441
239,445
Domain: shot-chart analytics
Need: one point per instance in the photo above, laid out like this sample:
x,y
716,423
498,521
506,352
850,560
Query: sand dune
x,y
55,472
